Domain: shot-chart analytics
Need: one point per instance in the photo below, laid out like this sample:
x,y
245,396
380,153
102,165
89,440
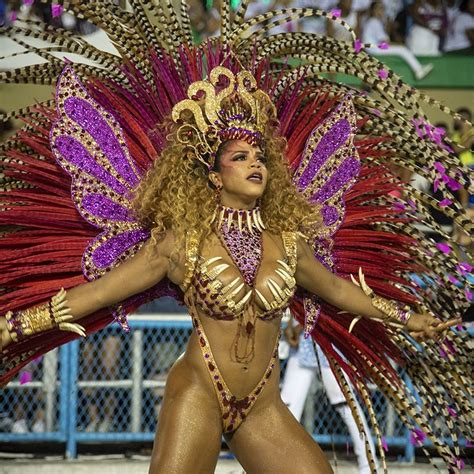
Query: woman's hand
x,y
5,337
424,326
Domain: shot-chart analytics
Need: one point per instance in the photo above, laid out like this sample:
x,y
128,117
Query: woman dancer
x,y
250,295
235,261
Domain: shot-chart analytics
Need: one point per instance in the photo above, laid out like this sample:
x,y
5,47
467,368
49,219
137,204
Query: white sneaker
x,y
38,427
20,426
104,426
5,423
91,427
424,71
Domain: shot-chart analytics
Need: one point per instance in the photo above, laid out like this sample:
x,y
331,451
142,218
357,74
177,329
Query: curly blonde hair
x,y
177,195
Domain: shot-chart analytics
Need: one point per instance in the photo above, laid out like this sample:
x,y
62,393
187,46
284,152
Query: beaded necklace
x,y
240,231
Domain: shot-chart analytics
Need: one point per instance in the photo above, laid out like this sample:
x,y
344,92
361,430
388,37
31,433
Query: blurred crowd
x,y
425,27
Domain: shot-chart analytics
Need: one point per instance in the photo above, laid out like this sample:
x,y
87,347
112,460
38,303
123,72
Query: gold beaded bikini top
x,y
228,301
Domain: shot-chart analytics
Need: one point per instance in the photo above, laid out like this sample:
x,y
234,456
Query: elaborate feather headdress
x,y
232,112
370,215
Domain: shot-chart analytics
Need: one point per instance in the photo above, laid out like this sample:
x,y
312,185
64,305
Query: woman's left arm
x,y
345,295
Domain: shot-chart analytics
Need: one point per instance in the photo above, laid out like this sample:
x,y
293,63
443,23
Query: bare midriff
x,y
240,378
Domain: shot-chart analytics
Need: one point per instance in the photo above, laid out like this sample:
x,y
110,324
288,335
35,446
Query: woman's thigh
x,y
271,441
189,433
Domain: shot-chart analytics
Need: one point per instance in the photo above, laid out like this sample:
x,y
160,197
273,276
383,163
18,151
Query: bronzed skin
x,y
189,432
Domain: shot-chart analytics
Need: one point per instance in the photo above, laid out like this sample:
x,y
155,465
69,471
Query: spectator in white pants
x,y
374,32
301,369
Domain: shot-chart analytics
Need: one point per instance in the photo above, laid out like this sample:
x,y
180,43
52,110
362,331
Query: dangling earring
x,y
217,194
217,200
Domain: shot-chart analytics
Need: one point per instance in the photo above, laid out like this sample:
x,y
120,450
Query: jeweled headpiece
x,y
227,106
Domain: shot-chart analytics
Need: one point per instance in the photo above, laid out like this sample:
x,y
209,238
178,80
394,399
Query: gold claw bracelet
x,y
394,313
53,314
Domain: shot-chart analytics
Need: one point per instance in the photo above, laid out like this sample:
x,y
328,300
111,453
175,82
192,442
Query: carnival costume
x,y
101,130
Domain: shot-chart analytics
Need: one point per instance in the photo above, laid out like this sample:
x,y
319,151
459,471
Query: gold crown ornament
x,y
220,110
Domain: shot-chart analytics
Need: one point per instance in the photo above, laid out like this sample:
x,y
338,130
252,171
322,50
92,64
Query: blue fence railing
x,y
109,388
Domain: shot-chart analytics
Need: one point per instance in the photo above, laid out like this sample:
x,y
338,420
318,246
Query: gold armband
x,y
50,315
392,310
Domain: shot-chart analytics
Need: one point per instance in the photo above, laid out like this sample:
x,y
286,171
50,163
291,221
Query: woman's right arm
x,y
140,272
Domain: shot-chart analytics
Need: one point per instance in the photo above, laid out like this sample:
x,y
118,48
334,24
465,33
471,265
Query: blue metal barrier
x,y
34,407
138,383
110,386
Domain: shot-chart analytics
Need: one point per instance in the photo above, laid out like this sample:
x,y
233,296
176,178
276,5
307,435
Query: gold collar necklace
x,y
250,218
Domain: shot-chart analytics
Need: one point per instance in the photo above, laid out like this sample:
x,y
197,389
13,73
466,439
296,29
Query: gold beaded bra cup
x,y
240,232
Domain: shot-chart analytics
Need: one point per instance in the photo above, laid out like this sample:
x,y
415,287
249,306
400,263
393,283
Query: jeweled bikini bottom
x,y
233,410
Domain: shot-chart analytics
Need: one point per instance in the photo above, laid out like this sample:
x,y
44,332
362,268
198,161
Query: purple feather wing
x,y
329,167
89,145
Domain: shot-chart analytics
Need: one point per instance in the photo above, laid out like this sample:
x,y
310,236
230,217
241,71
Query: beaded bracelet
x,y
50,315
391,309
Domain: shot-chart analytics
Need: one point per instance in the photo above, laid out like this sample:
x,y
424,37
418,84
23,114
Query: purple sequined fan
x,y
328,168
89,144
